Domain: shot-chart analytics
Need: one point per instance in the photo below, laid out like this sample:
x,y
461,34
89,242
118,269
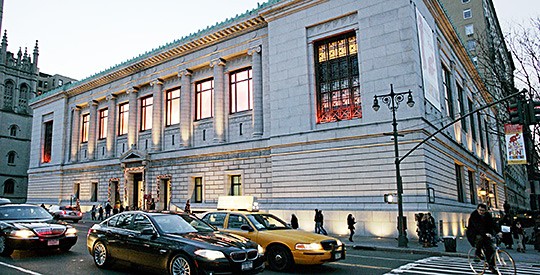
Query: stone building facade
x,y
277,103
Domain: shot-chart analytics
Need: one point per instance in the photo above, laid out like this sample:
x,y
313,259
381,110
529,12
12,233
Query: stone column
x,y
111,125
92,129
219,99
75,132
157,114
256,67
185,107
132,120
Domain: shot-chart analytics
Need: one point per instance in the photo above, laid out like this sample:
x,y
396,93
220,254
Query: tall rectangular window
x,y
198,189
467,13
459,183
461,104
47,142
123,118
337,79
84,127
94,192
471,118
204,94
103,115
469,29
77,190
472,187
241,89
448,92
146,113
172,107
236,186
480,131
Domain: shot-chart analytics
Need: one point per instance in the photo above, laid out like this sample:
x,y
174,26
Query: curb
x,y
406,250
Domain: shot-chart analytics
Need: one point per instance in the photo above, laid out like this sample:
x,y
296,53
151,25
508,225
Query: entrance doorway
x,y
164,196
138,192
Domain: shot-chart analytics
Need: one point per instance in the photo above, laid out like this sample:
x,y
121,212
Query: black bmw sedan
x,y
176,242
28,227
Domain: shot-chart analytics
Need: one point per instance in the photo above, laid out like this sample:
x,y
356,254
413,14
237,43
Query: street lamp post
x,y
392,100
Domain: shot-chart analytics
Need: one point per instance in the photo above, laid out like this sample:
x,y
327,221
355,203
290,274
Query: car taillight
x,y
63,212
79,214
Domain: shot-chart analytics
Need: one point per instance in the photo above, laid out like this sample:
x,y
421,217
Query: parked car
x,y
29,227
4,201
66,212
283,245
179,243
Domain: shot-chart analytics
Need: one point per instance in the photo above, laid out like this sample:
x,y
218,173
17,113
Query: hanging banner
x,y
429,65
515,144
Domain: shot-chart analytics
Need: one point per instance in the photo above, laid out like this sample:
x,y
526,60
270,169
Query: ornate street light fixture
x,y
392,100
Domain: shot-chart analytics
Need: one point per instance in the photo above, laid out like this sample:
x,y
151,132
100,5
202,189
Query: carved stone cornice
x,y
93,103
132,90
255,49
110,97
185,72
156,81
76,108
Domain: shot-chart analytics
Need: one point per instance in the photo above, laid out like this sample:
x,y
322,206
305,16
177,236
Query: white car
x,y
65,212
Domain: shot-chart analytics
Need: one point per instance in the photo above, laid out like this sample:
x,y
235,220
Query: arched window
x,y
23,98
11,157
13,130
8,95
9,186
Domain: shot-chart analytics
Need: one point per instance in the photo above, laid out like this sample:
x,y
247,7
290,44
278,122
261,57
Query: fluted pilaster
x,y
256,66
111,125
132,127
157,114
185,107
75,132
92,129
219,99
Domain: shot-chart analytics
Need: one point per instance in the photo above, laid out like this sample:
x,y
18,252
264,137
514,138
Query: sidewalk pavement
x,y
462,247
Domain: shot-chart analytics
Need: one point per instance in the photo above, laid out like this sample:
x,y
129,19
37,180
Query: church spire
x,y
36,54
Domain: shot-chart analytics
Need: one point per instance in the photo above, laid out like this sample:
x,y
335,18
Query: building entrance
x,y
137,191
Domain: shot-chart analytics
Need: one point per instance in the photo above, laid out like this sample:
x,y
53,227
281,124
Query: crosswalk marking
x,y
452,266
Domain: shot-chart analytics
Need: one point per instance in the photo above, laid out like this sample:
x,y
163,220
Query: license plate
x,y
337,256
247,265
53,242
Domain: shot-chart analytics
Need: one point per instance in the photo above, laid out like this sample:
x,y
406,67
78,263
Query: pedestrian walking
x,y
93,212
115,210
506,228
294,221
100,212
432,230
317,220
121,208
321,218
187,208
519,235
108,209
153,204
350,223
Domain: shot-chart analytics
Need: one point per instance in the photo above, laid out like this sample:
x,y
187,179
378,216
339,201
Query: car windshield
x,y
23,212
181,224
267,222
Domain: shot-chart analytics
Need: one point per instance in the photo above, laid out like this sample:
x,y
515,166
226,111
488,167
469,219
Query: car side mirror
x,y
148,231
246,227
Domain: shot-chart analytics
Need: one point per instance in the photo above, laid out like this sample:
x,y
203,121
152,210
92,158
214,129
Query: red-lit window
x,y
103,115
84,127
123,113
241,88
146,113
337,79
204,93
172,107
47,142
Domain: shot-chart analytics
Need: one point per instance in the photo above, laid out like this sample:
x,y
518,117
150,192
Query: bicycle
x,y
504,263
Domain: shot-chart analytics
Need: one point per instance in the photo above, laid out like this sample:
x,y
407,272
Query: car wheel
x,y
101,256
5,250
182,265
279,258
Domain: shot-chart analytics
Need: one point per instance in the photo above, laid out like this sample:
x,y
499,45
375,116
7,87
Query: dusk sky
x,y
80,38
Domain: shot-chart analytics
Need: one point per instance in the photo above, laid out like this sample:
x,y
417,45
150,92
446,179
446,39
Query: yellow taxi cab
x,y
283,245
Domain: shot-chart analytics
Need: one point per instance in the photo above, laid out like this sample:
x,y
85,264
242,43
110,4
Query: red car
x,y
66,213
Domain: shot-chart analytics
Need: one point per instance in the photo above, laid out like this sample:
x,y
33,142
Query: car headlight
x,y
23,234
210,254
308,246
71,231
339,243
260,249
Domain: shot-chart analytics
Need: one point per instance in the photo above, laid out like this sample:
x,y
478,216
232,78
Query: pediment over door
x,y
133,156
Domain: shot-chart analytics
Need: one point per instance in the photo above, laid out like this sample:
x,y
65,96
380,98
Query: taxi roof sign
x,y
245,203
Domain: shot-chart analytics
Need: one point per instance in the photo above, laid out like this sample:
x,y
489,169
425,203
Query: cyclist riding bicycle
x,y
480,229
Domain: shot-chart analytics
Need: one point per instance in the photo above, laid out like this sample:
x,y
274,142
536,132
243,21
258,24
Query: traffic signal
x,y
516,112
534,112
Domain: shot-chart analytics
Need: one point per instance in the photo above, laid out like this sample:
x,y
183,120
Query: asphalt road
x,y
78,261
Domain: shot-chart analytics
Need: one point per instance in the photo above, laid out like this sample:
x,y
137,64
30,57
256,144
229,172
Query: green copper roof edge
x,y
155,50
